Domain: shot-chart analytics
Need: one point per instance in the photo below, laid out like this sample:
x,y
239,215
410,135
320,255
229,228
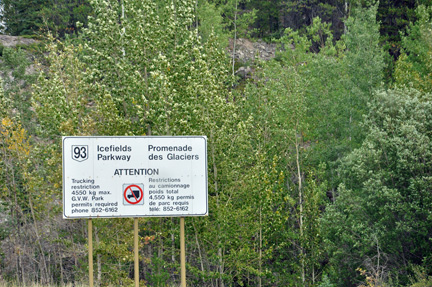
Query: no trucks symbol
x,y
133,194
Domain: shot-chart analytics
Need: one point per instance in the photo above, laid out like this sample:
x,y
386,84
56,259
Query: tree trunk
x,y
199,252
302,259
44,263
235,38
215,174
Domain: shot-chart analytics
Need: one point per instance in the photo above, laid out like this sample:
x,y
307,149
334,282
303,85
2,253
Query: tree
x,y
380,220
31,17
24,202
61,17
236,21
142,70
413,67
394,17
21,17
267,23
209,21
336,104
276,104
17,80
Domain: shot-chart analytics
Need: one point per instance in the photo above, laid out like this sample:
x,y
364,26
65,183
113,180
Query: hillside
x,y
318,150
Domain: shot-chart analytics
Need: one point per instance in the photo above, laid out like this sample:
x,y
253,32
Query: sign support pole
x,y
136,260
90,247
182,252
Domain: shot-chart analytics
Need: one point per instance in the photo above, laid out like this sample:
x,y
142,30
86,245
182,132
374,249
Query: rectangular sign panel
x,y
134,176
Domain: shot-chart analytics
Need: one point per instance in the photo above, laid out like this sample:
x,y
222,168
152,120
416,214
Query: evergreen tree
x,y
32,17
61,17
394,17
21,17
413,67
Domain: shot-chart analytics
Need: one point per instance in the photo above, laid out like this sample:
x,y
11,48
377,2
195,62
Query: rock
x,y
12,41
246,51
244,72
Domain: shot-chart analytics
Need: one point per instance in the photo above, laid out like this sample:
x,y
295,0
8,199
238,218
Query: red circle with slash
x,y
137,199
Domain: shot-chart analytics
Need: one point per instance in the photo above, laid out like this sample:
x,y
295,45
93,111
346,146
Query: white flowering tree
x,y
140,69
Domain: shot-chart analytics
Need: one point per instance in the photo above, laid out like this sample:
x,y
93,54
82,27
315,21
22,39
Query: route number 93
x,y
79,152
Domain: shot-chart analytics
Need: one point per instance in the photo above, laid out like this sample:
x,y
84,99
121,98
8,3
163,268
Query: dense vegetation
x,y
320,163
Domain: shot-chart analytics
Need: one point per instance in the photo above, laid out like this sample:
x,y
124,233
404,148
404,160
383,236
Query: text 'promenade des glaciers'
x,y
134,176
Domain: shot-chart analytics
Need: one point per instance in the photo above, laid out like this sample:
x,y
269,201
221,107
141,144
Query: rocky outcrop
x,y
247,51
12,41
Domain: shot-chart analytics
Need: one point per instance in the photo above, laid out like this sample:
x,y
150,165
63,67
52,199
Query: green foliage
x,y
159,68
379,216
273,17
421,277
413,67
276,105
210,22
312,241
326,282
305,11
21,16
364,56
17,78
142,70
335,104
301,100
394,17
363,64
30,17
266,23
236,21
60,17
64,111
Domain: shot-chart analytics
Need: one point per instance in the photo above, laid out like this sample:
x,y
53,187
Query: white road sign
x,y
134,176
